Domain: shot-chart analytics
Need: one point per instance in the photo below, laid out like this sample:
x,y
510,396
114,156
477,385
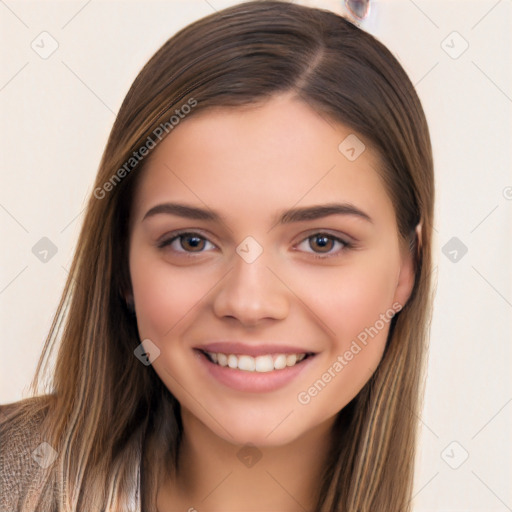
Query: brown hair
x,y
107,411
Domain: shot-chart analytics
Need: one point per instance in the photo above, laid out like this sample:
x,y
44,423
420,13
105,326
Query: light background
x,y
57,113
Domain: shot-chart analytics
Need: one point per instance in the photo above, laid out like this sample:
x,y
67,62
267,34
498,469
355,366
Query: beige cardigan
x,y
22,461
19,472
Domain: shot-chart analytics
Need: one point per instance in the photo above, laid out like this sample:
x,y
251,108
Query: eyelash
x,y
346,245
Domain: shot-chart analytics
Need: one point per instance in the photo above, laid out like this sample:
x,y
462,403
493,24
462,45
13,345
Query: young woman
x,y
246,317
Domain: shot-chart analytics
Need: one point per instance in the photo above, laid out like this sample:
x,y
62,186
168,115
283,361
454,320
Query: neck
x,y
217,476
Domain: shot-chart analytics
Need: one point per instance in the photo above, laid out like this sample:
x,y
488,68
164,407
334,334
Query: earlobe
x,y
408,267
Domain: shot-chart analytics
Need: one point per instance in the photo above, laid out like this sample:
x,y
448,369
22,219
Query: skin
x,y
250,164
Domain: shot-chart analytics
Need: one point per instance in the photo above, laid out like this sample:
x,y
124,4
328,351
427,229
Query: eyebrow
x,y
286,217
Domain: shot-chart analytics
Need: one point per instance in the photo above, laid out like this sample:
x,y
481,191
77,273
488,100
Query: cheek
x,y
356,308
365,296
163,296
352,297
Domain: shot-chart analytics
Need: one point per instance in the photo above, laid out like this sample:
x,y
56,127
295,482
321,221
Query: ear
x,y
410,255
127,297
129,301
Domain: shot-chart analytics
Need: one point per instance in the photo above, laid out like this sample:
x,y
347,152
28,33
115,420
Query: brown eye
x,y
324,245
186,243
321,243
192,242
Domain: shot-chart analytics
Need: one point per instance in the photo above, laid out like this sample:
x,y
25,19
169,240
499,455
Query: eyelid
x,y
343,237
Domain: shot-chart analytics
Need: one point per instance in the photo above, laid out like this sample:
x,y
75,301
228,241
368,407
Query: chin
x,y
258,436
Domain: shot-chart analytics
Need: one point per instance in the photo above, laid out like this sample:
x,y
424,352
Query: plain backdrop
x,y
57,110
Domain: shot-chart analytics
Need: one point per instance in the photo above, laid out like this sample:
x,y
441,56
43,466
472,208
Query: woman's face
x,y
249,265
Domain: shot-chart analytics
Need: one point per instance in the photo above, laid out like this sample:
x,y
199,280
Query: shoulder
x,y
23,451
20,421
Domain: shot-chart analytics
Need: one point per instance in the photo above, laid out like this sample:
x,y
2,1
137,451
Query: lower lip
x,y
253,382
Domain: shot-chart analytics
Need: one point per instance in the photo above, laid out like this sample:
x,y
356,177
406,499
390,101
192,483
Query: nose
x,y
251,293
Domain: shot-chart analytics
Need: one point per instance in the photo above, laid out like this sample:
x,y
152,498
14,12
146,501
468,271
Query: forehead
x,y
261,159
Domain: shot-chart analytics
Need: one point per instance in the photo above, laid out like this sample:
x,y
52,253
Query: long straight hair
x,y
110,418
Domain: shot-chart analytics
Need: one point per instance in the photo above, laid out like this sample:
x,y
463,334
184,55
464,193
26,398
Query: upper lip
x,y
234,347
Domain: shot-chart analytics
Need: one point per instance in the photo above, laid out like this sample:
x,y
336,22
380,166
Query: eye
x,y
324,243
186,242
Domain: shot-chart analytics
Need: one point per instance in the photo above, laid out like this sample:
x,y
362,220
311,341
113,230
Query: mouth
x,y
253,368
262,364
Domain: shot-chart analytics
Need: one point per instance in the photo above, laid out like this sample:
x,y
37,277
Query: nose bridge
x,y
250,292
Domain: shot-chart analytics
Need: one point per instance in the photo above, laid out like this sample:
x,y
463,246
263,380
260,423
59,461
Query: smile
x,y
263,363
257,373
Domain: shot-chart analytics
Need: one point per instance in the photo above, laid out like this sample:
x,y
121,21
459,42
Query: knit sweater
x,y
21,464
25,459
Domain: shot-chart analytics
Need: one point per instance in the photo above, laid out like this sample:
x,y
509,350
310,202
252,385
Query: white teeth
x,y
247,363
291,359
280,362
266,363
